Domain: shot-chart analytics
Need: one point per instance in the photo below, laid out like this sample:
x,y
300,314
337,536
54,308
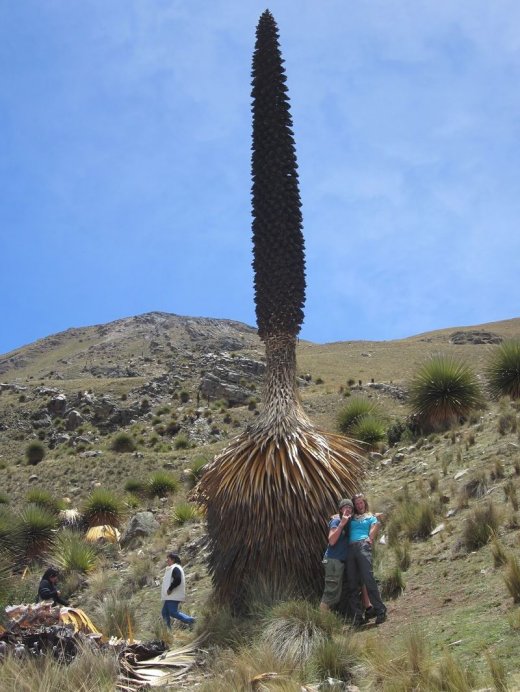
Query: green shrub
x,y
162,483
443,392
184,396
4,498
34,452
123,442
357,408
103,507
503,370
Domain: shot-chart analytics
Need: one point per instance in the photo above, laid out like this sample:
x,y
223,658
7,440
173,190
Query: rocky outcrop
x,y
475,336
230,378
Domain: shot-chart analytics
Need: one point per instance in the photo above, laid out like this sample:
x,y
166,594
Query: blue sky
x,y
125,161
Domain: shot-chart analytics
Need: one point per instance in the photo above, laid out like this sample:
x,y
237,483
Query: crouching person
x,y
173,592
336,555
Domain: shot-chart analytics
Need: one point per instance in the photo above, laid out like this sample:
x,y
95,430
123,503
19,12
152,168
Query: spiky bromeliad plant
x,y
503,370
269,493
443,391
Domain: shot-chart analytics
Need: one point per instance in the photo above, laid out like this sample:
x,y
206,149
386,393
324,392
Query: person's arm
x,y
176,579
46,591
374,530
335,533
60,600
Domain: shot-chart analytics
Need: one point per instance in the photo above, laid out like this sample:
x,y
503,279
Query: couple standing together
x,y
351,536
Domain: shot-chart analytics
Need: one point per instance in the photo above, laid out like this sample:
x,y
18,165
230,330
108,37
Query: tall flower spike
x,y
269,493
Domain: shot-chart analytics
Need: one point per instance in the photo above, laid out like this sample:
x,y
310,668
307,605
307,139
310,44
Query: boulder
x,y
57,405
74,420
140,526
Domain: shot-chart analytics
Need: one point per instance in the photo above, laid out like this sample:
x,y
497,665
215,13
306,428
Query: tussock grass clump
x,y
295,629
512,578
224,629
335,658
103,507
510,494
34,452
44,499
480,526
413,518
181,442
507,423
443,392
196,469
162,483
450,674
116,616
89,671
503,370
73,554
256,667
369,430
498,552
361,420
393,584
357,408
403,555
135,486
123,443
185,513
498,673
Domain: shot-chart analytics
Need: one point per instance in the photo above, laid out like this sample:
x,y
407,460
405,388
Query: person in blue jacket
x,y
336,555
363,530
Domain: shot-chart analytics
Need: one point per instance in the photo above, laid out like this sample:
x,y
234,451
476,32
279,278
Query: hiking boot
x,y
380,618
369,614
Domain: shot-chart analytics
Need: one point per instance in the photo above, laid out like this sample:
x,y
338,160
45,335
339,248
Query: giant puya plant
x,y
269,493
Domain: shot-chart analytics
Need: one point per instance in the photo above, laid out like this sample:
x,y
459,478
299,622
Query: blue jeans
x,y
170,609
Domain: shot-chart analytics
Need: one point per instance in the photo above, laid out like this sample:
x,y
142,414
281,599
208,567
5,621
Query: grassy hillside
x,y
453,597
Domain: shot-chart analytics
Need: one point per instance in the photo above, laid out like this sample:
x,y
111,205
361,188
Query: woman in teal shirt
x,y
364,527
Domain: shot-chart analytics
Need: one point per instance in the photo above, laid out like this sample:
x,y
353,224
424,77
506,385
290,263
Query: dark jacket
x,y
48,592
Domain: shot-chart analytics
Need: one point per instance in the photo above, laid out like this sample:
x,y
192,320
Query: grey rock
x,y
57,405
74,420
140,526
